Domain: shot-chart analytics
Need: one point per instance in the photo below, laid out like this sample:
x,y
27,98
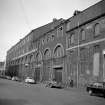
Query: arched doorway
x,y
47,64
58,63
37,73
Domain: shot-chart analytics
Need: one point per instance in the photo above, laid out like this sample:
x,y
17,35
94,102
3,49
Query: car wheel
x,y
90,92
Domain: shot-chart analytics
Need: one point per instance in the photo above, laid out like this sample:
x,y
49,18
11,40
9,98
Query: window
x,y
43,41
68,41
60,31
31,58
21,60
58,52
47,54
48,38
96,48
39,57
103,23
72,39
38,43
83,35
97,29
52,37
68,26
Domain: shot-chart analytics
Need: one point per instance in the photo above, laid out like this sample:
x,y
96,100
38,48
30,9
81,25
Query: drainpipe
x,y
78,54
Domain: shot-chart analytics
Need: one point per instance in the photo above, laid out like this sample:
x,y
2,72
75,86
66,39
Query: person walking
x,y
70,82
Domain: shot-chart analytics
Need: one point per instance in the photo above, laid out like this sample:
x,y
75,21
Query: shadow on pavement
x,y
13,102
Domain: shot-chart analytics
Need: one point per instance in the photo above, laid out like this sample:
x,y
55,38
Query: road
x,y
17,93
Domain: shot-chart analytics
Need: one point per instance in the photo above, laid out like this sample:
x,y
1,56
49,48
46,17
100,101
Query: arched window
x,y
97,29
52,37
83,35
47,54
26,60
58,52
72,38
60,31
39,56
68,41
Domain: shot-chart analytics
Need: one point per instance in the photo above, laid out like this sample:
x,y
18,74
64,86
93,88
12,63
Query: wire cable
x,y
21,2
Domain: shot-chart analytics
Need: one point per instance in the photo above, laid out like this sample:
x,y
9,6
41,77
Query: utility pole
x,y
78,56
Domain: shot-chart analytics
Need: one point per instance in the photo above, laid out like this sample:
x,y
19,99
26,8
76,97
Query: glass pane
x,y
97,29
72,38
83,34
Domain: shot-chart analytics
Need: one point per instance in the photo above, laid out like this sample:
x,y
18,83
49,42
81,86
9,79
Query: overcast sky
x,y
19,17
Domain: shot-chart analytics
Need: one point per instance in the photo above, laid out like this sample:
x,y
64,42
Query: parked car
x,y
96,88
29,80
53,84
15,78
8,77
3,76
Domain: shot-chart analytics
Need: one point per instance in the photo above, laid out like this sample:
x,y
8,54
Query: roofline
x,y
85,10
30,33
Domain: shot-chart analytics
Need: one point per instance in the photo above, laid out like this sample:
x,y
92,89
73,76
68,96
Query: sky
x,y
19,17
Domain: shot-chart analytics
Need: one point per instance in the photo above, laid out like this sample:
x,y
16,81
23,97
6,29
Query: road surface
x,y
17,93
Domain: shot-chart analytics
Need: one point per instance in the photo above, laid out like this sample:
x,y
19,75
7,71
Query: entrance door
x,y
37,74
58,75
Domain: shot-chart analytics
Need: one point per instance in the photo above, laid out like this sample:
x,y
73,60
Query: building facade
x,y
86,45
2,68
35,54
61,49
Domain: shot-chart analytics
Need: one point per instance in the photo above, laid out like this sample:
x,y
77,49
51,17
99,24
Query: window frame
x,y
83,36
72,40
97,33
59,31
52,38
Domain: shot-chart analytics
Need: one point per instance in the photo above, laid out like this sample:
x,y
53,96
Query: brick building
x,y
33,55
86,45
64,48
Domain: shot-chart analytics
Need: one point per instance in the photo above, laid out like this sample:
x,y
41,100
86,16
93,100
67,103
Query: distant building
x,y
72,48
2,68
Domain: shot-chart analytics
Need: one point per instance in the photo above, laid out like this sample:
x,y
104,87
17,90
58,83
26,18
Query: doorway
x,y
58,74
37,74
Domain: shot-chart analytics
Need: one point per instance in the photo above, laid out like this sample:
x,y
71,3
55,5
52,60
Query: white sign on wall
x,y
96,64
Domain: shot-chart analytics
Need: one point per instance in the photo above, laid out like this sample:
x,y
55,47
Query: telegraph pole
x,y
78,56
